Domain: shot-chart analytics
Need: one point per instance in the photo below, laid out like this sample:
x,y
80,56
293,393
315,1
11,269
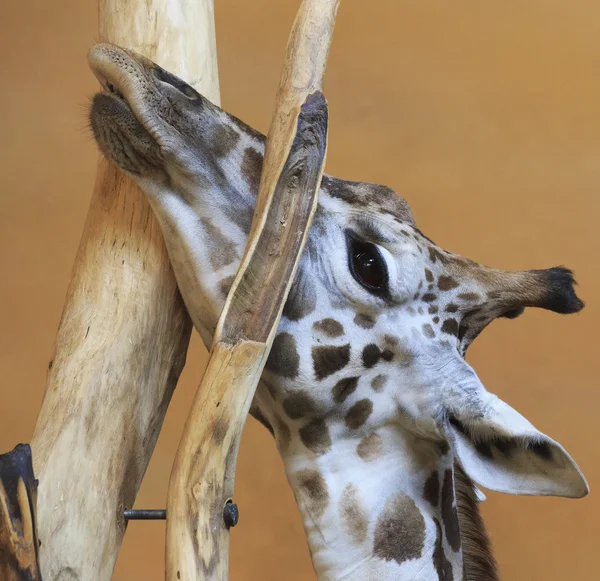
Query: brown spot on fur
x,y
284,359
359,413
364,321
370,447
429,297
353,514
436,320
328,359
225,285
313,488
298,405
329,327
469,297
478,559
315,436
428,275
451,308
446,283
252,163
433,309
441,564
431,489
372,354
378,382
400,530
223,139
222,250
449,513
343,388
428,331
450,326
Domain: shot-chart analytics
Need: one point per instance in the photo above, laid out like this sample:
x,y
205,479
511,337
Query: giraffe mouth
x,y
123,116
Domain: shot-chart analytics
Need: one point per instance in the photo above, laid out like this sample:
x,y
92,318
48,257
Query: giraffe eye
x,y
367,265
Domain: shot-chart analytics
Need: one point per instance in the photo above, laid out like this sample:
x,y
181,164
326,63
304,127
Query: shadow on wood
x,y
18,534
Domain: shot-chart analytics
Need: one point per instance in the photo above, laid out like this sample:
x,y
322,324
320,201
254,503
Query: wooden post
x,y
202,479
18,538
124,333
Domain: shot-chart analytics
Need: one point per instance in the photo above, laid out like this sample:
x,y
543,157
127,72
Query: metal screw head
x,y
231,514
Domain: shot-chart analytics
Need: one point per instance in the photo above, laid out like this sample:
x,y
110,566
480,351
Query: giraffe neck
x,y
391,515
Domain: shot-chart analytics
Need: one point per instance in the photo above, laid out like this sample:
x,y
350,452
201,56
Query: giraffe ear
x,y
501,450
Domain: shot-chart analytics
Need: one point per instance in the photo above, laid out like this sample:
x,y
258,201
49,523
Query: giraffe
x,y
382,425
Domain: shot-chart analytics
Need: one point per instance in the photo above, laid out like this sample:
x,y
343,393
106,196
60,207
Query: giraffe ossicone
x,y
382,424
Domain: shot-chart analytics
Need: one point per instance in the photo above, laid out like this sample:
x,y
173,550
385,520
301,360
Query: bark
x,y
124,332
202,479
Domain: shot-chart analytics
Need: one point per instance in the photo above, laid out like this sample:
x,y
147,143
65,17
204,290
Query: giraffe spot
x,y
433,309
313,489
223,139
329,327
354,515
343,388
364,321
440,562
446,283
302,298
435,255
428,331
283,434
284,359
225,285
431,489
298,405
450,326
327,360
378,382
222,250
451,308
251,168
400,530
372,354
315,436
370,447
428,275
429,297
359,413
469,297
449,514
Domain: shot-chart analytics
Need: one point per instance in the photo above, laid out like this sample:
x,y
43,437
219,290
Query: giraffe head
x,y
376,326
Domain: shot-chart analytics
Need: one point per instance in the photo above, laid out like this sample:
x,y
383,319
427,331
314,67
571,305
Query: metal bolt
x,y
231,514
145,514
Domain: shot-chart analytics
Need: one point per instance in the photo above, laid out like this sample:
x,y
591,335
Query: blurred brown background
x,y
486,116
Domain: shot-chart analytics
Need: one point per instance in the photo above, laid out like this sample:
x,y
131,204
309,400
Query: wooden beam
x,y
18,538
124,333
203,473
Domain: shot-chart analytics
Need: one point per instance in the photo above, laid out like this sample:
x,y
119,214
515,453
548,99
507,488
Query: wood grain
x,y
203,472
122,340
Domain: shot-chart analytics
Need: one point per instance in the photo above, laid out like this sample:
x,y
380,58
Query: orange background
x,y
486,115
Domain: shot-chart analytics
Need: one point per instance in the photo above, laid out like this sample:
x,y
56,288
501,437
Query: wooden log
x,y
202,479
124,333
18,537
